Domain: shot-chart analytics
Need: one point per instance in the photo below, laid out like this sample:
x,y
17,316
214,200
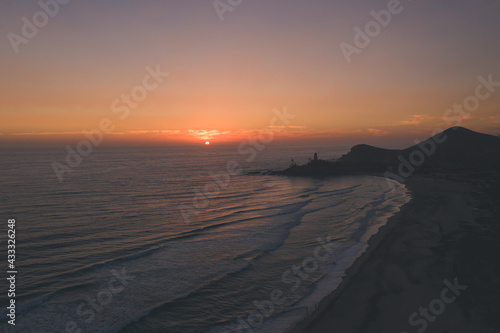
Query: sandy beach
x,y
447,235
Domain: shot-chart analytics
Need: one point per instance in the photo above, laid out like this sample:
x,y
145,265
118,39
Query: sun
x,y
207,143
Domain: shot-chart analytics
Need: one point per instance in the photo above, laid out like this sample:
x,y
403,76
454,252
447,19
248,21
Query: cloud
x,y
377,132
46,133
111,133
162,132
204,134
290,126
417,119
494,119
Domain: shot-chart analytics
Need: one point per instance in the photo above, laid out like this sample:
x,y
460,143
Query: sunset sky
x,y
226,77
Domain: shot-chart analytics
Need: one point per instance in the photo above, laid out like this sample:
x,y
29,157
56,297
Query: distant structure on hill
x,y
456,150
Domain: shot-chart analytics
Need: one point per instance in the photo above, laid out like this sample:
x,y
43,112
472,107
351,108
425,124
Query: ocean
x,y
160,239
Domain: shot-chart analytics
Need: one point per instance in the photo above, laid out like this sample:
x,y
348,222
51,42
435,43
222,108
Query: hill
x,y
456,149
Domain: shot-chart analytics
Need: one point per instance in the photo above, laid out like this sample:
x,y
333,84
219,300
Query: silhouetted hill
x,y
369,154
456,149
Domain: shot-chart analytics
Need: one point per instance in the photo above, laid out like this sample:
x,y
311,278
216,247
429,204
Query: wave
x,y
179,263
364,220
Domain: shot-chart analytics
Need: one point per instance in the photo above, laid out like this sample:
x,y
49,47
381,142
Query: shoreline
x,y
372,244
406,263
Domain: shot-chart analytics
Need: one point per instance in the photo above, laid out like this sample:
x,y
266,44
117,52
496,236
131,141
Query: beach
x,y
446,237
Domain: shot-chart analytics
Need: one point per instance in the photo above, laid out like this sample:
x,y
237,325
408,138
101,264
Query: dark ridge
x,y
462,148
456,149
369,154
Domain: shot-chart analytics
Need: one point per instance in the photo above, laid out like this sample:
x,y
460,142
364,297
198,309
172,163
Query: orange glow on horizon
x,y
218,89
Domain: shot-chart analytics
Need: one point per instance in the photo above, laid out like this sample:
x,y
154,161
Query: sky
x,y
224,71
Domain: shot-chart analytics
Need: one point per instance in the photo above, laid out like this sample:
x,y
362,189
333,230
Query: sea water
x,y
109,250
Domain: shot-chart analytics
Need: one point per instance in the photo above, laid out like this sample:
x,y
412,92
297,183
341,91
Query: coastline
x,y
406,263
